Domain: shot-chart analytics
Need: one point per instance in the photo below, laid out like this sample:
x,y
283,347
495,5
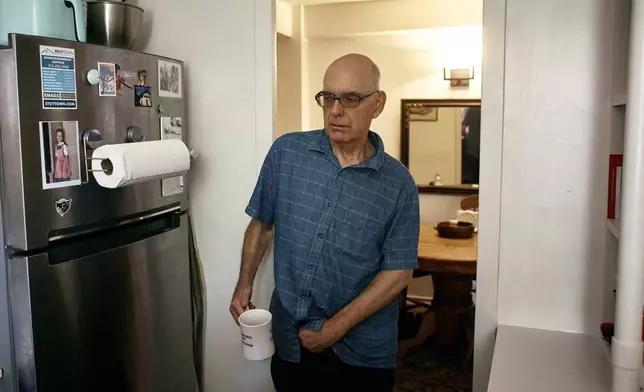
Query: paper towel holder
x,y
92,139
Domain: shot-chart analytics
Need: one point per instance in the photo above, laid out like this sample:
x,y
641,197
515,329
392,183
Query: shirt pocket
x,y
362,237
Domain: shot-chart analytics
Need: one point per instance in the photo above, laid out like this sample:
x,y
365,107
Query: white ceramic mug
x,y
257,334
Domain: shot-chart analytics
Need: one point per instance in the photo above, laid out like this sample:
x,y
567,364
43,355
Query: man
x,y
345,221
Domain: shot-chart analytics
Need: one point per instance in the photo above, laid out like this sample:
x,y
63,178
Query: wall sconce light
x,y
458,77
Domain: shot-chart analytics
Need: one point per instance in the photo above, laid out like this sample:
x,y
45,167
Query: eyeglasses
x,y
347,100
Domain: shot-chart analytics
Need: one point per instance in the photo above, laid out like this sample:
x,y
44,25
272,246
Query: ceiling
x,y
312,2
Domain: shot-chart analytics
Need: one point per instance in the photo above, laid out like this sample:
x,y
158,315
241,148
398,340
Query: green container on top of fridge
x,y
62,19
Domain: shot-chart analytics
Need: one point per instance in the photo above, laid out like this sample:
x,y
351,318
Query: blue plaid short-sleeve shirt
x,y
335,229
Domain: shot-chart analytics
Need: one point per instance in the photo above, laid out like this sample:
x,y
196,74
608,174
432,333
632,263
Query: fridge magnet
x,y
142,77
107,85
59,154
120,80
142,97
58,77
171,128
63,206
170,83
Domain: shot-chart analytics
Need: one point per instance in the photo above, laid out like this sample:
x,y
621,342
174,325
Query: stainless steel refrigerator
x,y
95,283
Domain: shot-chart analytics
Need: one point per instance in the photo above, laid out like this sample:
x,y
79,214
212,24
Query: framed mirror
x,y
440,144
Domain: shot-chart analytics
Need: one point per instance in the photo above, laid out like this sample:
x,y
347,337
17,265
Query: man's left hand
x,y
318,341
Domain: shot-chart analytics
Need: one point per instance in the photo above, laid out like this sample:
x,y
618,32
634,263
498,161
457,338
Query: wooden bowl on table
x,y
453,229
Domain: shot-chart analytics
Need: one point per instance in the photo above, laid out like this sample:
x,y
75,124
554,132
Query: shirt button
x,y
311,266
330,204
320,235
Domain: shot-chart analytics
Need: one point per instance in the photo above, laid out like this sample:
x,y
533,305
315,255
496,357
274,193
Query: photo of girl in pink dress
x,y
62,167
60,161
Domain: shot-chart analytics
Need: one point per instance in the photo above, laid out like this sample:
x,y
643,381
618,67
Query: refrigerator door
x,y
35,203
112,320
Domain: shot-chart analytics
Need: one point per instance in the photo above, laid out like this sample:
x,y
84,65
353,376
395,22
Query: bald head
x,y
351,98
362,71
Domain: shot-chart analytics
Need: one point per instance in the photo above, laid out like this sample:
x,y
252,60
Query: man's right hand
x,y
241,301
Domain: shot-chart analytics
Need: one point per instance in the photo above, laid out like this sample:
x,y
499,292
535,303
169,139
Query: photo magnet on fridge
x,y
142,96
170,79
107,85
121,76
142,77
59,154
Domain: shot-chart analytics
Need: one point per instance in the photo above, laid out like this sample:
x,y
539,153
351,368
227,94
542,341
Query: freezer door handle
x,y
118,236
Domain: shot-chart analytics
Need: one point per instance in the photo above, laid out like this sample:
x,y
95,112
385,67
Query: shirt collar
x,y
322,144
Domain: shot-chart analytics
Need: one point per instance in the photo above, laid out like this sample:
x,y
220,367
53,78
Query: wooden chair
x,y
470,203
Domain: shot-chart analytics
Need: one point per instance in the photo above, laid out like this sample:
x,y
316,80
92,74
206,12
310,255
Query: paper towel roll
x,y
131,163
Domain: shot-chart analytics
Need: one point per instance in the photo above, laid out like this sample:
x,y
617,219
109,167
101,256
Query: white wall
x,y
228,49
546,117
411,64
555,164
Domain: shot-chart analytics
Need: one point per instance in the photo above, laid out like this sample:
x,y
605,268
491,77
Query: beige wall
x,y
290,69
435,148
289,85
332,20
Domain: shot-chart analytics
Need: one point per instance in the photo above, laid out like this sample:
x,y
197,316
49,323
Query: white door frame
x,y
490,203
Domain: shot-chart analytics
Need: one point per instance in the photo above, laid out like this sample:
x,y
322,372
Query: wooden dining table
x,y
452,265
449,256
